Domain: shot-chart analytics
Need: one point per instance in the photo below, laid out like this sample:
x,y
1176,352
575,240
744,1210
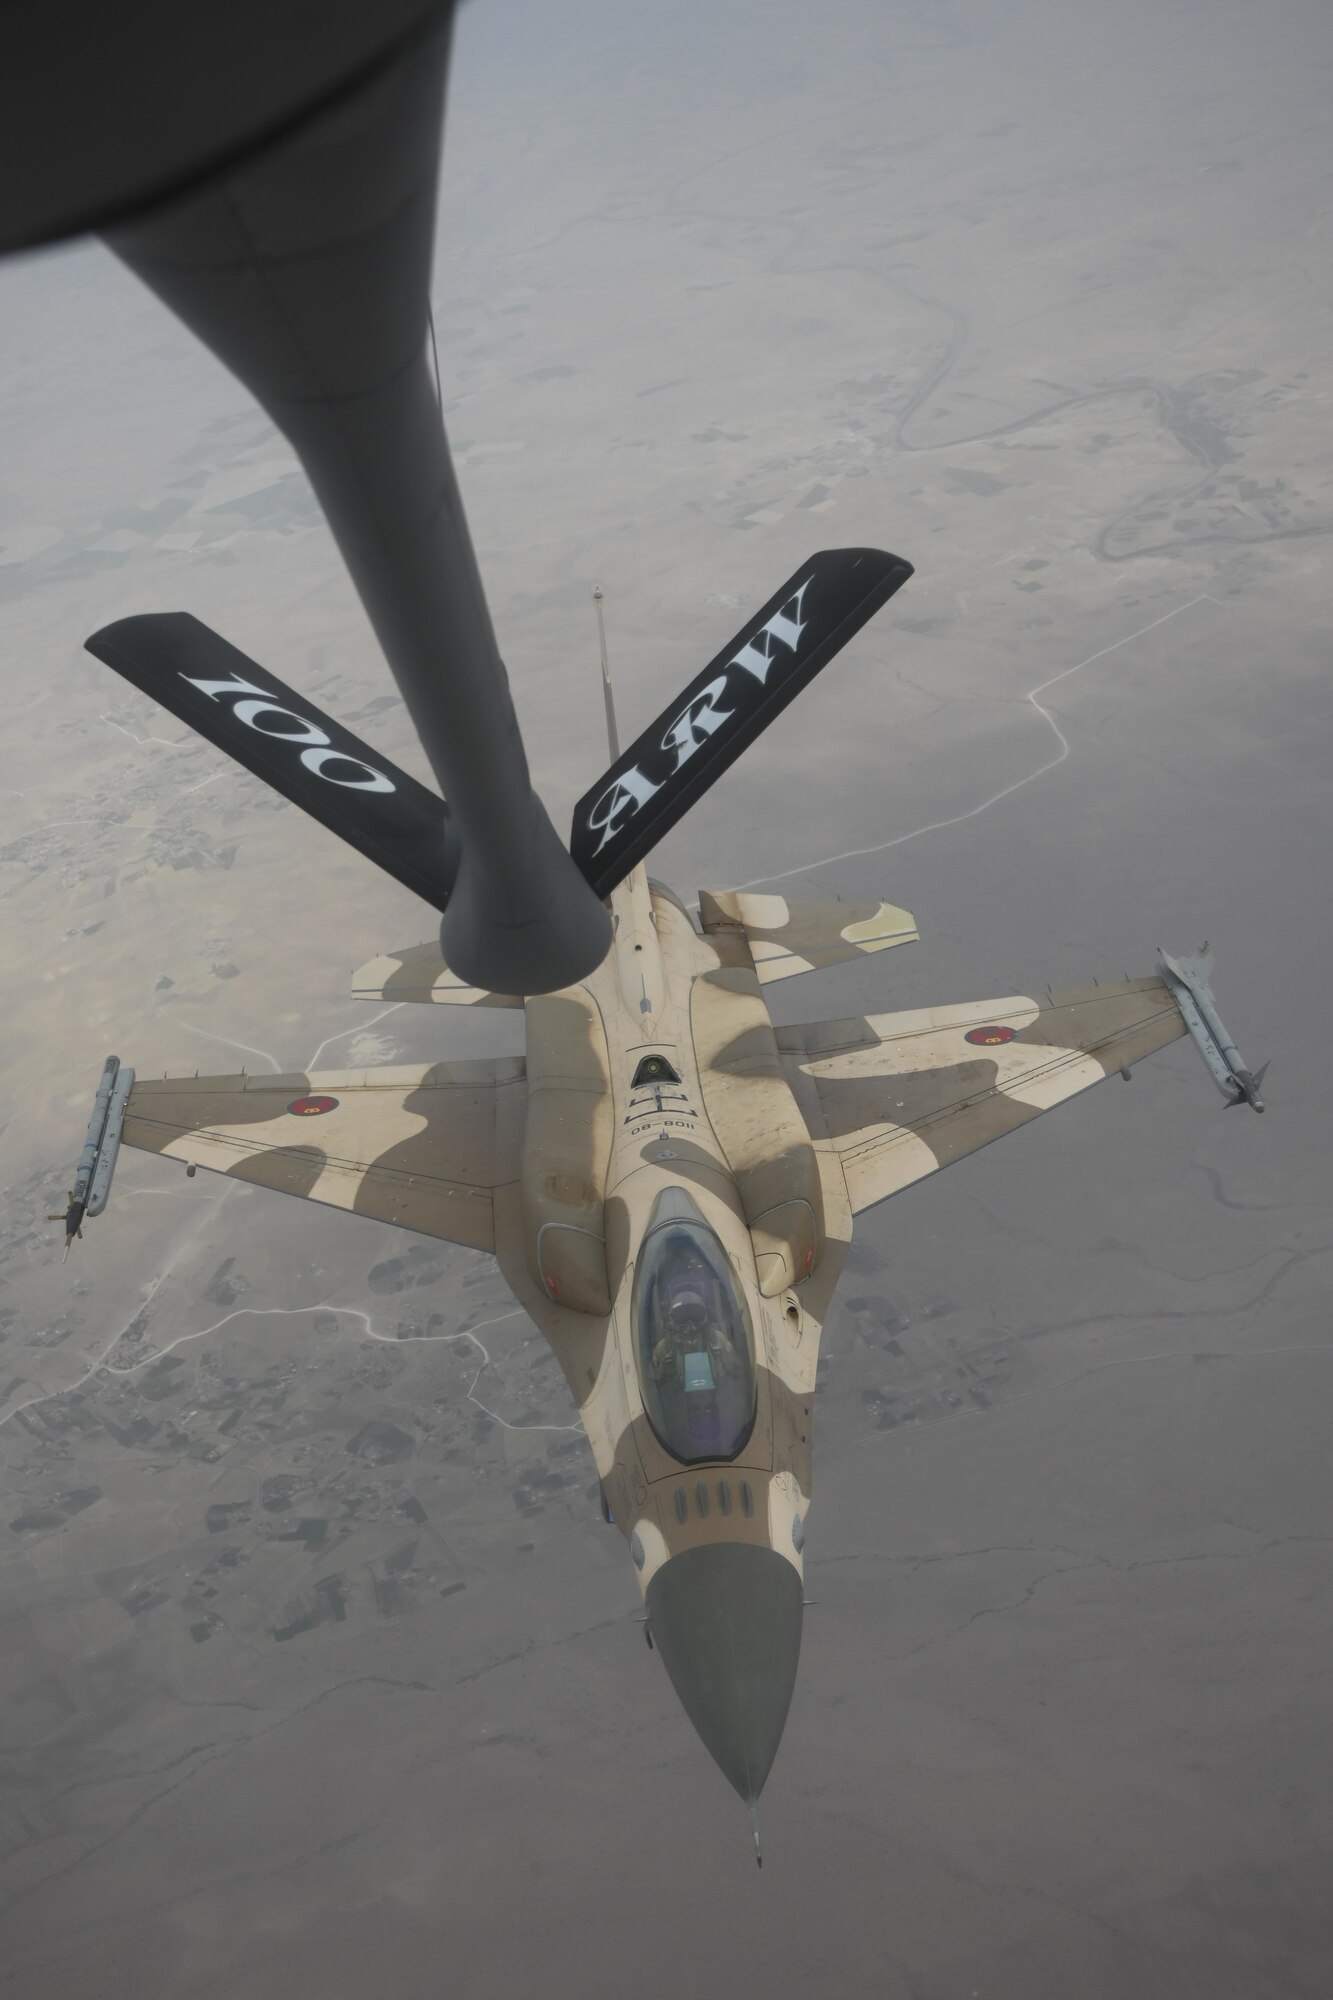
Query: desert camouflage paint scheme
x,y
668,1185
786,938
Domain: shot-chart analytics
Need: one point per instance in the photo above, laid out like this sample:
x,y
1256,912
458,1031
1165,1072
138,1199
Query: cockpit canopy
x,y
692,1338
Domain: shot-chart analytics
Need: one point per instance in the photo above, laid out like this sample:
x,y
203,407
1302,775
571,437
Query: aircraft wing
x,y
898,1096
423,1147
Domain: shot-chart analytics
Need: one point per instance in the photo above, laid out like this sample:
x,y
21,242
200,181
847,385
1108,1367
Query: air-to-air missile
x,y
1188,979
101,1145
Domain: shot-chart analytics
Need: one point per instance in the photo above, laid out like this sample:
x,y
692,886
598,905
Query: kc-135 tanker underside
x,y
667,1181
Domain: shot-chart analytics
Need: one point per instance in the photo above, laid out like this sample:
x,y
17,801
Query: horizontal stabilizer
x,y
737,695
419,973
790,937
285,740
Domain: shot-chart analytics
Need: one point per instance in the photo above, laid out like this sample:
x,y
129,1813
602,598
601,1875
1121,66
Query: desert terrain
x,y
319,1671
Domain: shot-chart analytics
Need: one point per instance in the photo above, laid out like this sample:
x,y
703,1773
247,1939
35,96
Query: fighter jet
x,y
667,1181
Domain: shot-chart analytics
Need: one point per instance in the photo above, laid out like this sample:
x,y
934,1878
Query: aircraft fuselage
x,y
660,1074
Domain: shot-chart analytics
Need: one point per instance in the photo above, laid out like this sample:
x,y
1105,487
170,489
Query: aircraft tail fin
x,y
653,783
284,739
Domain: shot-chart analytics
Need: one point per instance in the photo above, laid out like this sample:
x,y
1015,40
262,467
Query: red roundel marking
x,y
311,1107
989,1038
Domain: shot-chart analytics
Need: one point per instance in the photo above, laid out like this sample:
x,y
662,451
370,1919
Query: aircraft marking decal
x,y
700,718
320,750
284,739
659,777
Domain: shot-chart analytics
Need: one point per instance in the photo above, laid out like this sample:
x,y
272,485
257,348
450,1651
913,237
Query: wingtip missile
x,y
1188,979
101,1146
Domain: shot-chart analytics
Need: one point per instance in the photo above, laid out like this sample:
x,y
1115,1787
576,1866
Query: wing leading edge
x,y
423,1147
898,1096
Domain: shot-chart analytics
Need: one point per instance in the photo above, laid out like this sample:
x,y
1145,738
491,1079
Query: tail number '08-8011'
x,y
318,751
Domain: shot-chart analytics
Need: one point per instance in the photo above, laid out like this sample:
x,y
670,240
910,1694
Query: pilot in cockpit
x,y
686,1332
692,1336
693,1350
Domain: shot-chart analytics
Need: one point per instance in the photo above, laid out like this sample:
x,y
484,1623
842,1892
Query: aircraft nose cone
x,y
726,1619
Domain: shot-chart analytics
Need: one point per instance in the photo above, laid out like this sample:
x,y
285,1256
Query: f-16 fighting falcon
x,y
667,1182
